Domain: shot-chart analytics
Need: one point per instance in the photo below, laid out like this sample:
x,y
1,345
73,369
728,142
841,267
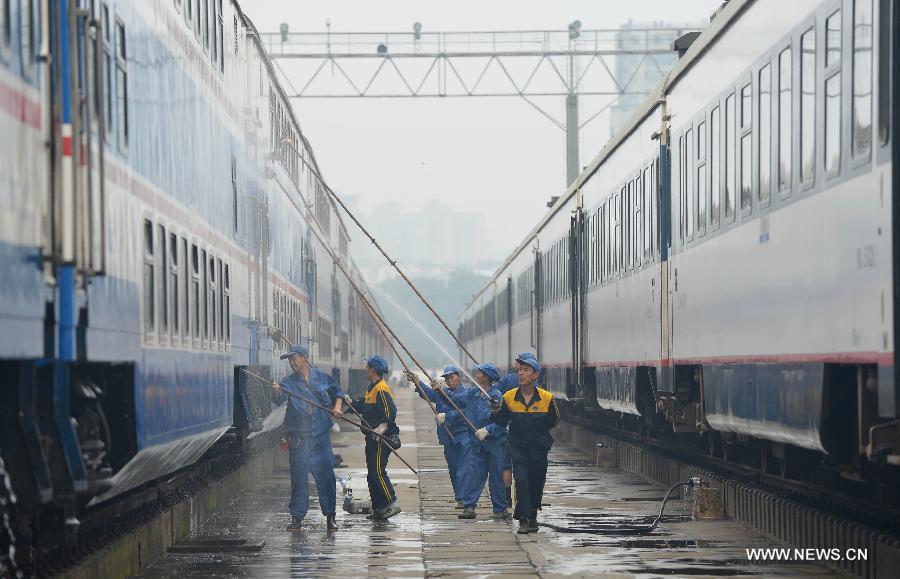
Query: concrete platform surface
x,y
427,539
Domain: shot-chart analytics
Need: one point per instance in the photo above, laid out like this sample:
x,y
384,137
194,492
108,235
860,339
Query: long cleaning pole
x,y
344,418
281,336
378,318
393,262
405,367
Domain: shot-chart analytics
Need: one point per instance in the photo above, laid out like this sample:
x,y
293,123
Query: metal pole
x,y
572,158
384,253
344,418
376,315
403,363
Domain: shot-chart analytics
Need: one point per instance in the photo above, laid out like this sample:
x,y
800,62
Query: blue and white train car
x,y
733,271
160,210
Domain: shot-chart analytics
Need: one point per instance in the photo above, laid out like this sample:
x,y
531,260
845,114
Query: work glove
x,y
381,428
439,384
348,399
496,405
411,376
440,418
481,433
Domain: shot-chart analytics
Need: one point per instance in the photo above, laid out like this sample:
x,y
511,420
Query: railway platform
x,y
427,539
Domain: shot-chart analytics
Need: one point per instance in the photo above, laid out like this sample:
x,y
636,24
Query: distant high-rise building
x,y
639,73
431,240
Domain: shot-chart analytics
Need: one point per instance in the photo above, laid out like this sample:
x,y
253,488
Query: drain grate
x,y
216,545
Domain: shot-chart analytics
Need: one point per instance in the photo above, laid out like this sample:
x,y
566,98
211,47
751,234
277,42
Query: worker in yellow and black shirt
x,y
378,411
531,413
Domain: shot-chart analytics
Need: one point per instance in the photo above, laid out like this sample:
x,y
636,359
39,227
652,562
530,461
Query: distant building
x,y
644,72
432,240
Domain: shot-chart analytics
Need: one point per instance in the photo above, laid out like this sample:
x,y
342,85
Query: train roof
x,y
290,109
721,19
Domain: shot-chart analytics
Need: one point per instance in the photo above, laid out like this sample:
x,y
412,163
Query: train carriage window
x,y
620,260
5,24
861,125
186,292
746,147
106,65
149,280
221,313
833,93
682,190
730,143
163,280
765,134
884,70
648,214
221,26
28,34
701,179
628,224
714,162
212,303
189,12
198,18
688,173
807,105
174,288
204,311
785,120
637,238
204,23
195,296
121,84
598,247
610,234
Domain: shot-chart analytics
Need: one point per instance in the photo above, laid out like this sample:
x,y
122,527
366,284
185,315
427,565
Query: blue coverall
x,y
309,434
458,428
508,382
482,460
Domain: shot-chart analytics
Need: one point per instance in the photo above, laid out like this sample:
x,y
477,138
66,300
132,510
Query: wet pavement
x,y
427,538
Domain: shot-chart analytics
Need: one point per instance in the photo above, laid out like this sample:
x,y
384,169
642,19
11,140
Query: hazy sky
x,y
496,155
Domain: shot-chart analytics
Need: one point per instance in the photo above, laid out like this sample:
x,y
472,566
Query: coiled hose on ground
x,y
625,528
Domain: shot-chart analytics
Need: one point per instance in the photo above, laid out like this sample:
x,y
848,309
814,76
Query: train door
x,y
509,321
576,293
667,275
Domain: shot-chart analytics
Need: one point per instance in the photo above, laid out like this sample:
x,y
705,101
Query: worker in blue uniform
x,y
511,380
378,412
488,464
531,412
456,426
309,434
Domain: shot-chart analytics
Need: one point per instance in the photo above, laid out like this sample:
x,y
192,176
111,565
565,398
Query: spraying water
x,y
422,329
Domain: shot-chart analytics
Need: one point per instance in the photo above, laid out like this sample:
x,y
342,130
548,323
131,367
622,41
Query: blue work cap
x,y
490,370
525,356
530,361
378,364
451,369
296,351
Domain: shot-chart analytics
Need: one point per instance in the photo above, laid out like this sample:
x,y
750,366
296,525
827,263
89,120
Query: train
x,y
160,216
724,272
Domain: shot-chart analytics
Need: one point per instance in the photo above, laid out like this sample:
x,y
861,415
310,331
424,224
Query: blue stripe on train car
x,y
21,302
182,393
777,402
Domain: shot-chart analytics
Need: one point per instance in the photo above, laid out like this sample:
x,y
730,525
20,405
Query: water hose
x,y
627,528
